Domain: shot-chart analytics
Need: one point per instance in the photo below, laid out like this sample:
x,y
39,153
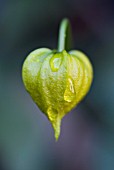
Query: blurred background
x,y
26,136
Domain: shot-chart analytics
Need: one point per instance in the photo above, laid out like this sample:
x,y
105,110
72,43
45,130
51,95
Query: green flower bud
x,y
57,81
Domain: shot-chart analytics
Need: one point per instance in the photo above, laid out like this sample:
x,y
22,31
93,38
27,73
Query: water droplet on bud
x,y
55,62
70,93
55,120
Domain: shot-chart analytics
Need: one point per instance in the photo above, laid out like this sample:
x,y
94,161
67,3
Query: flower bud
x,y
57,81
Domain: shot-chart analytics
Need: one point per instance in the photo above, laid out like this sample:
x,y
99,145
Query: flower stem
x,y
64,40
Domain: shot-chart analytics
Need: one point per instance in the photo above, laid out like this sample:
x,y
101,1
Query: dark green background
x,y
26,137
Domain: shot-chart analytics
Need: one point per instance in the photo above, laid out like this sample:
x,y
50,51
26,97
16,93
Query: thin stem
x,y
64,40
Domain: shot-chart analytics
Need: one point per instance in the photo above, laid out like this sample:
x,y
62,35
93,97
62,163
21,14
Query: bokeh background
x,y
26,137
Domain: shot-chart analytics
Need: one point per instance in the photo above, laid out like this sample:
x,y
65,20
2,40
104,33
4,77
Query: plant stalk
x,y
64,40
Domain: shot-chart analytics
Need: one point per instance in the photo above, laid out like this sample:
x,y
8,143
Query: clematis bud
x,y
57,81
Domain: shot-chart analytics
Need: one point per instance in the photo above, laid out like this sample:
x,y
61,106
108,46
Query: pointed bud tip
x,y
56,135
57,130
